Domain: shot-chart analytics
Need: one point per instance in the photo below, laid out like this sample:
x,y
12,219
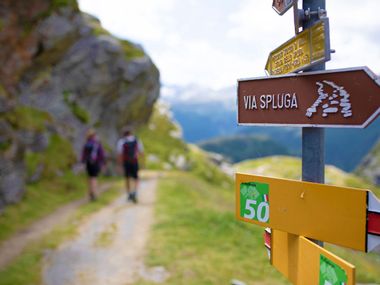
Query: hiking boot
x,y
92,197
134,197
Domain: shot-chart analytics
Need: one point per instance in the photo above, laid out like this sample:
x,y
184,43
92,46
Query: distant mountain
x,y
241,147
202,113
206,114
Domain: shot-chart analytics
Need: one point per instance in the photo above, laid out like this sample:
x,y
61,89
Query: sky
x,y
212,43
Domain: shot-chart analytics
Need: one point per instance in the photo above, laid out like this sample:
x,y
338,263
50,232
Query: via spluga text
x,y
271,101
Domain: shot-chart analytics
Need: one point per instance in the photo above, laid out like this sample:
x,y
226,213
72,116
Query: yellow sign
x,y
308,48
332,214
303,262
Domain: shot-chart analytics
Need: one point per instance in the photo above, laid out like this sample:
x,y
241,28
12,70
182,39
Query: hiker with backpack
x,y
130,149
93,158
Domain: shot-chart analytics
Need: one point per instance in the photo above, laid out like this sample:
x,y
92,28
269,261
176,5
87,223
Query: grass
x,y
203,168
27,118
41,199
80,113
57,186
198,240
161,146
105,238
27,268
131,51
51,166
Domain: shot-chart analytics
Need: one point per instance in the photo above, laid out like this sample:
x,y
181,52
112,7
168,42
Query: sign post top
x,y
281,6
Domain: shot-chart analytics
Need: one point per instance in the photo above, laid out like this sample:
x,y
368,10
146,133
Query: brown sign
x,y
281,6
336,98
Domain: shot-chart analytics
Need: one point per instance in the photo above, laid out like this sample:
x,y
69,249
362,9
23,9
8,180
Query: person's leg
x,y
92,188
92,172
127,180
128,184
134,175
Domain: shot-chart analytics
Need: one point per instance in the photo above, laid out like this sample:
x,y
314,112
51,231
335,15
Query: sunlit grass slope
x,y
196,236
198,240
367,265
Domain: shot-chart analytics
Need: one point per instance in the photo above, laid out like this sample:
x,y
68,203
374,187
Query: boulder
x,y
63,63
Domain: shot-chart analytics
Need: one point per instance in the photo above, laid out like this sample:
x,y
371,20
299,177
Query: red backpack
x,y
130,151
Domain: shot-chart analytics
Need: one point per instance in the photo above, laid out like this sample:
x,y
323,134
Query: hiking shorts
x,y
131,169
92,169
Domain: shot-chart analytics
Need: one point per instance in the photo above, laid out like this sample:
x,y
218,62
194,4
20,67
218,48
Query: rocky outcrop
x,y
61,74
370,166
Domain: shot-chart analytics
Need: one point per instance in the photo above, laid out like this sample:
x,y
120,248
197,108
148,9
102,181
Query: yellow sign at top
x,y
306,49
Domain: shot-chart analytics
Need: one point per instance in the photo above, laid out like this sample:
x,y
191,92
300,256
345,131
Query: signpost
x,y
281,6
304,262
335,98
298,210
343,216
308,48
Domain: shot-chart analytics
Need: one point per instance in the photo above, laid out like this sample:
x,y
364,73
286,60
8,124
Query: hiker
x,y
130,149
93,158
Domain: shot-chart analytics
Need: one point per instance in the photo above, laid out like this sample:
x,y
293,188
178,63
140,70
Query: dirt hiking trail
x,y
109,247
14,246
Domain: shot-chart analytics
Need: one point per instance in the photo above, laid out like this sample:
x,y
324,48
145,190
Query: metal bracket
x,y
322,13
300,16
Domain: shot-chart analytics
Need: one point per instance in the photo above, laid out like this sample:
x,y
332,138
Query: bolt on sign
x,y
281,6
304,262
335,98
308,48
343,216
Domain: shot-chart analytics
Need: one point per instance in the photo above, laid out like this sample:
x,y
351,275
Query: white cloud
x,y
214,42
137,20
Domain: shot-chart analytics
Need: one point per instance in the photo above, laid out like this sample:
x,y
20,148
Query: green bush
x,y
80,113
27,118
159,141
131,51
55,159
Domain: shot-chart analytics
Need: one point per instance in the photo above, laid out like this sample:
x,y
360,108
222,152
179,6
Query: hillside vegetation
x,y
196,236
370,166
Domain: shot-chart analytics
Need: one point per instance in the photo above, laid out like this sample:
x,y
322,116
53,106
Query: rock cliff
x,y
60,74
